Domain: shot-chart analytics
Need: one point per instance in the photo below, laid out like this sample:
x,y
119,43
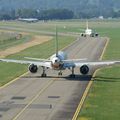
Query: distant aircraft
x,y
59,62
29,20
89,32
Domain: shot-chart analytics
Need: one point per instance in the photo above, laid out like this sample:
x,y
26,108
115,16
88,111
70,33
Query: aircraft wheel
x,y
44,75
72,75
60,73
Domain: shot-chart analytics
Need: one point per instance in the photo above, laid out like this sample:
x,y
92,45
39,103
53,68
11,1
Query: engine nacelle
x,y
33,68
84,69
82,34
96,34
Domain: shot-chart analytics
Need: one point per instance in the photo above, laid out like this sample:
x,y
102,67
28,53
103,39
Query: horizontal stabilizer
x,y
37,59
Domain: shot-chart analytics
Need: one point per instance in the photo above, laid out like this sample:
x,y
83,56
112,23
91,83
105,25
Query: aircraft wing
x,y
38,63
97,63
74,60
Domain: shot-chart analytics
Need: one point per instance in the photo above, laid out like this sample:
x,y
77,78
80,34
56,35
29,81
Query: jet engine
x,y
96,34
84,69
33,68
82,34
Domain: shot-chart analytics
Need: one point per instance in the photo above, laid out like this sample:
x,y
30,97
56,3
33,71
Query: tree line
x,y
53,14
41,15
10,9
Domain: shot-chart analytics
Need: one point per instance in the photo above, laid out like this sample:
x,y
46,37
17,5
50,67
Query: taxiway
x,y
52,98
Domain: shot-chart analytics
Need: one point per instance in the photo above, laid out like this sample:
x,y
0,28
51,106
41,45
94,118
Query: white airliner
x,y
60,62
89,32
29,20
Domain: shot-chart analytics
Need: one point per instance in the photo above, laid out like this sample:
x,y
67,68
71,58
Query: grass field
x,y
63,26
8,39
7,35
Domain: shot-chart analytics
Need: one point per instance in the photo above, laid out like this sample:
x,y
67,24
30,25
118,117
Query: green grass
x,y
71,25
13,42
6,35
103,100
10,71
8,39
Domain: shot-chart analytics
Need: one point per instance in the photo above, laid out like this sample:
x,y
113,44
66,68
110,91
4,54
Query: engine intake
x,y
33,68
84,69
96,34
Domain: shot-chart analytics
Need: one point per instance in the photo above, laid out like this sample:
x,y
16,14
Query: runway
x,y
52,98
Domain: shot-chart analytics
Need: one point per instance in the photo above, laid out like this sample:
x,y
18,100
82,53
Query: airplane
x,y
59,62
89,32
29,20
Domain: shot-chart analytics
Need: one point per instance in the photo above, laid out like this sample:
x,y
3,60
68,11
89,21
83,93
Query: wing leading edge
x,y
78,63
38,63
97,63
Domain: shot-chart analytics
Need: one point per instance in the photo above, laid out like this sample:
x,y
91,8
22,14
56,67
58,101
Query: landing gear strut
x,y
72,75
60,73
44,73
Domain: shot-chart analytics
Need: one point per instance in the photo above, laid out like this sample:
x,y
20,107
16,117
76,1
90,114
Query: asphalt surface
x,y
52,98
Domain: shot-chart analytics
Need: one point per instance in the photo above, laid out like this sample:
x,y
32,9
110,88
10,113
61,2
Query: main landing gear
x,y
44,73
60,73
73,74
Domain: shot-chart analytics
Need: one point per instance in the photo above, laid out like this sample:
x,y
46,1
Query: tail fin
x,y
86,24
56,42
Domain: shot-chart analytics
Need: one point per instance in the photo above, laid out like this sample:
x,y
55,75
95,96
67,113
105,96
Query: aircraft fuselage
x,y
57,61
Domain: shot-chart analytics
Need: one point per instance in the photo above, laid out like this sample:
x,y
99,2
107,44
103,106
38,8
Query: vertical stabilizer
x,y
87,24
56,42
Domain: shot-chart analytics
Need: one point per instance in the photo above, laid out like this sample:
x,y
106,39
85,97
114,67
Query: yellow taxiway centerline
x,y
38,94
88,86
34,98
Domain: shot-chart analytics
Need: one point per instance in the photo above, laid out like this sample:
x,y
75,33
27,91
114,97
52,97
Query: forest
x,y
47,9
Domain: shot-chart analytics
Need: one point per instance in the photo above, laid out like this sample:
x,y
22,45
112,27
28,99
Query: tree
x,y
55,14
